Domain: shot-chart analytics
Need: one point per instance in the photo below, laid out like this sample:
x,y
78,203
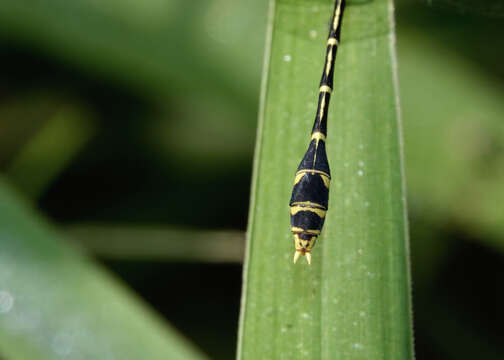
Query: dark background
x,y
132,116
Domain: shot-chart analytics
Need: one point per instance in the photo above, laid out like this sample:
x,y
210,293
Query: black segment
x,y
321,126
304,236
311,188
307,220
318,162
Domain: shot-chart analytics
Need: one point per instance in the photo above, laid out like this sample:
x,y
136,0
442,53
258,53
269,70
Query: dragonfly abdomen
x,y
310,197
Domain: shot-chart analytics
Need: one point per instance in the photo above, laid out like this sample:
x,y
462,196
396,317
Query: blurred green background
x,y
130,127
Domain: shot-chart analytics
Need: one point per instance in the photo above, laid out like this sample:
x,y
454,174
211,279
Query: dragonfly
x,y
310,195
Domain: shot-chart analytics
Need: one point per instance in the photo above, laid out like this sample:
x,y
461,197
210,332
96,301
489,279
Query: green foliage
x,y
458,143
51,150
55,303
98,103
136,41
353,301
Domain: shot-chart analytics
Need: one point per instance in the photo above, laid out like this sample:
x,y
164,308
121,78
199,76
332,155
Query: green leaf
x,y
353,302
55,303
51,149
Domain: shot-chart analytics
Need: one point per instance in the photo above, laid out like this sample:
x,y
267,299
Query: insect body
x,y
310,196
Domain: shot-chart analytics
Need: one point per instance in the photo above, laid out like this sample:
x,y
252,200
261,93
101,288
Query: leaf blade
x,y
56,303
343,305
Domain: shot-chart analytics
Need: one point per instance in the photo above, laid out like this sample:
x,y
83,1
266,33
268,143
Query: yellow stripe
x,y
312,171
296,229
332,41
322,106
329,61
309,203
325,88
298,178
326,180
318,136
295,209
325,177
337,16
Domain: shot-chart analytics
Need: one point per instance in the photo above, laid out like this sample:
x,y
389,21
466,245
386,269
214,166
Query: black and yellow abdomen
x,y
310,196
